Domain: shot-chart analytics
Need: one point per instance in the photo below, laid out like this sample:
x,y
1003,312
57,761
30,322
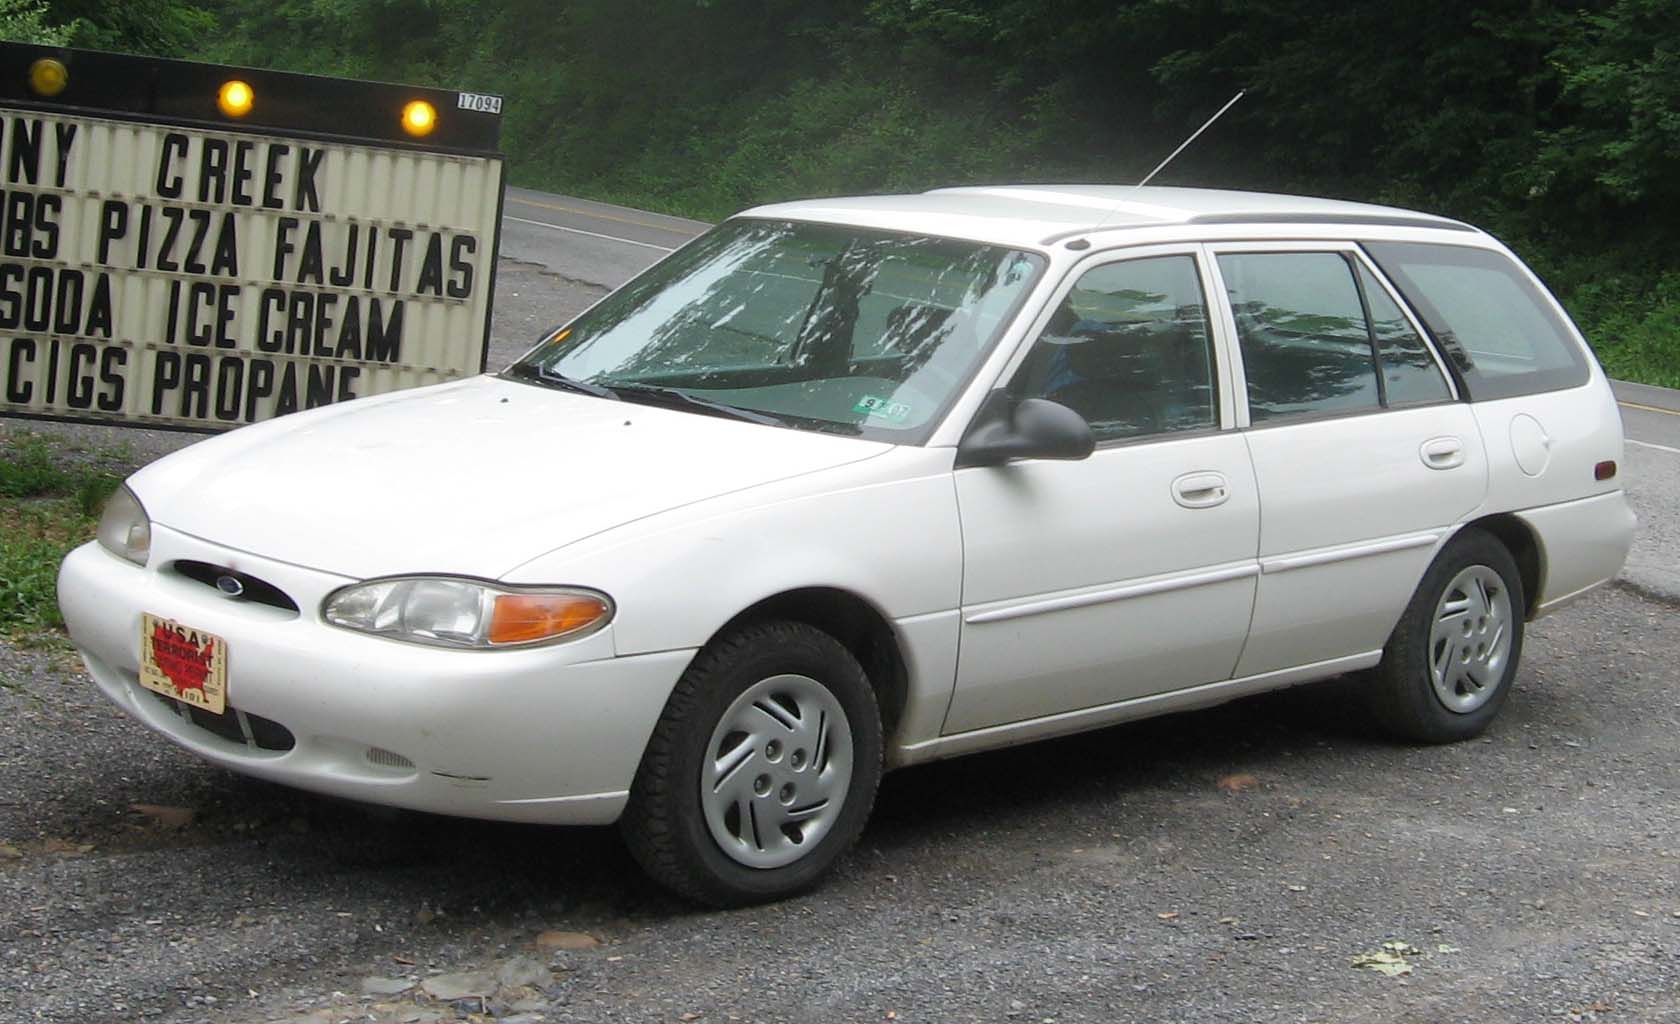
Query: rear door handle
x,y
1442,453
1201,490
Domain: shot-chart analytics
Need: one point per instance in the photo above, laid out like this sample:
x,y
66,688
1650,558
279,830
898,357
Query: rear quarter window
x,y
1496,327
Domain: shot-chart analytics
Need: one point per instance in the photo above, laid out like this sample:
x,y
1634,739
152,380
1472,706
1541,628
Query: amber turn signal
x,y
419,118
235,98
1605,470
48,77
527,618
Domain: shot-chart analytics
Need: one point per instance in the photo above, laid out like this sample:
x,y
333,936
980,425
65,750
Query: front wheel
x,y
1448,666
762,769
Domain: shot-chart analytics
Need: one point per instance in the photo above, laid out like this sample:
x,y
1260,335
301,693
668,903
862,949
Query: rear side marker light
x,y
1605,470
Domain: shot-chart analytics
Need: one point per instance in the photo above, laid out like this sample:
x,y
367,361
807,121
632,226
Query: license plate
x,y
187,664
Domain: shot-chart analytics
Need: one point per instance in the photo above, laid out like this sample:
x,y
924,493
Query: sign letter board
x,y
165,267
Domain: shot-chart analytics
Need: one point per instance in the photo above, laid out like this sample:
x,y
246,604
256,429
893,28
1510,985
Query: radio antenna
x,y
1193,136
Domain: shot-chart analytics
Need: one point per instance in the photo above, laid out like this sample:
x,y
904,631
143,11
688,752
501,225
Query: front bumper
x,y
548,734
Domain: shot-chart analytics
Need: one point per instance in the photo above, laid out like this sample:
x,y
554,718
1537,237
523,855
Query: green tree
x,y
25,21
167,28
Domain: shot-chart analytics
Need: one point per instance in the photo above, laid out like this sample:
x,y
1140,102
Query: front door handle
x,y
1442,453
1201,490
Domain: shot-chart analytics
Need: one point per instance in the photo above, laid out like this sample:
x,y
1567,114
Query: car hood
x,y
474,477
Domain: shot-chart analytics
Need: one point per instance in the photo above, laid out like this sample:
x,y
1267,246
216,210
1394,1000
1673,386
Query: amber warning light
x,y
48,77
235,98
419,118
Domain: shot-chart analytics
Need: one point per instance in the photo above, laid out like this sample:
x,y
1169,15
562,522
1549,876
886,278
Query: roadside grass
x,y
49,504
1640,340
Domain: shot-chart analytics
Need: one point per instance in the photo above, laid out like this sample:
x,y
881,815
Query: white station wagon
x,y
854,484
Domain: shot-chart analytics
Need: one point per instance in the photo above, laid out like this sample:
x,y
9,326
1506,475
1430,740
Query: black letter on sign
x,y
308,165
261,386
226,259
11,295
384,339
166,251
199,292
201,230
283,245
67,303
230,381
99,308
26,151
212,170
242,172
195,394
320,390
286,400
46,228
80,395
18,389
431,268
166,374
461,249
20,221
275,340
272,178
174,144
66,138
113,224
399,240
347,375
309,264
111,363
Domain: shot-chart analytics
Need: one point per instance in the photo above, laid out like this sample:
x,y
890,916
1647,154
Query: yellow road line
x,y
1649,408
600,216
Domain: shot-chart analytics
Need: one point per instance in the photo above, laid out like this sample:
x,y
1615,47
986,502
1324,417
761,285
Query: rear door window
x,y
1314,327
1499,330
1409,372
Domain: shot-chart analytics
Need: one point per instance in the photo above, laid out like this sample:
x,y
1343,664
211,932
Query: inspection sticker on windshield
x,y
187,664
882,409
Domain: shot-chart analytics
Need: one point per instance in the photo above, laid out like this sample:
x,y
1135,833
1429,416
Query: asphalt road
x,y
1226,865
592,243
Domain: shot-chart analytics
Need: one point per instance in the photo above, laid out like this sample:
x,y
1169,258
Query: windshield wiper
x,y
654,394
555,379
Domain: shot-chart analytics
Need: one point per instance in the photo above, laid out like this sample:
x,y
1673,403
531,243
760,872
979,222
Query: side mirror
x,y
1006,429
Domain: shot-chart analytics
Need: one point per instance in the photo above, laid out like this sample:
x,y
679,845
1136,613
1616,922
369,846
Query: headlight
x,y
124,529
448,611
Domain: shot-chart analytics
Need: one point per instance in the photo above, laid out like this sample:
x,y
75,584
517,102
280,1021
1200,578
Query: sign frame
x,y
164,93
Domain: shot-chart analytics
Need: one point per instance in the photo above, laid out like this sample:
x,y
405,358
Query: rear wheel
x,y
762,769
1448,666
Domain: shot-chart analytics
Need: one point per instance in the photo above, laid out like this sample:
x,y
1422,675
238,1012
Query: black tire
x,y
665,825
1402,696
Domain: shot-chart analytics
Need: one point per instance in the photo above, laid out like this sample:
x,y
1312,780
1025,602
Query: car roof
x,y
1038,215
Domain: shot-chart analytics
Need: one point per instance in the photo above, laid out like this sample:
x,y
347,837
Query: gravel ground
x,y
1222,865
1653,483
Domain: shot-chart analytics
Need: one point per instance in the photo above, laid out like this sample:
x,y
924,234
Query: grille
x,y
235,726
253,589
387,758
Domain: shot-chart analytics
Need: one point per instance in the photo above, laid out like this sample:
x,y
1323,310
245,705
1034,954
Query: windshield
x,y
818,326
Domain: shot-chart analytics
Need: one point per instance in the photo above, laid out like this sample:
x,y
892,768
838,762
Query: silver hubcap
x,y
1471,639
776,771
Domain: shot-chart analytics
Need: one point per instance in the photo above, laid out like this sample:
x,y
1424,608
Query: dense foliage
x,y
1555,123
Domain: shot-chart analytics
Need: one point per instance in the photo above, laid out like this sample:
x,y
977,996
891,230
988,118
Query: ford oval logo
x,y
230,586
